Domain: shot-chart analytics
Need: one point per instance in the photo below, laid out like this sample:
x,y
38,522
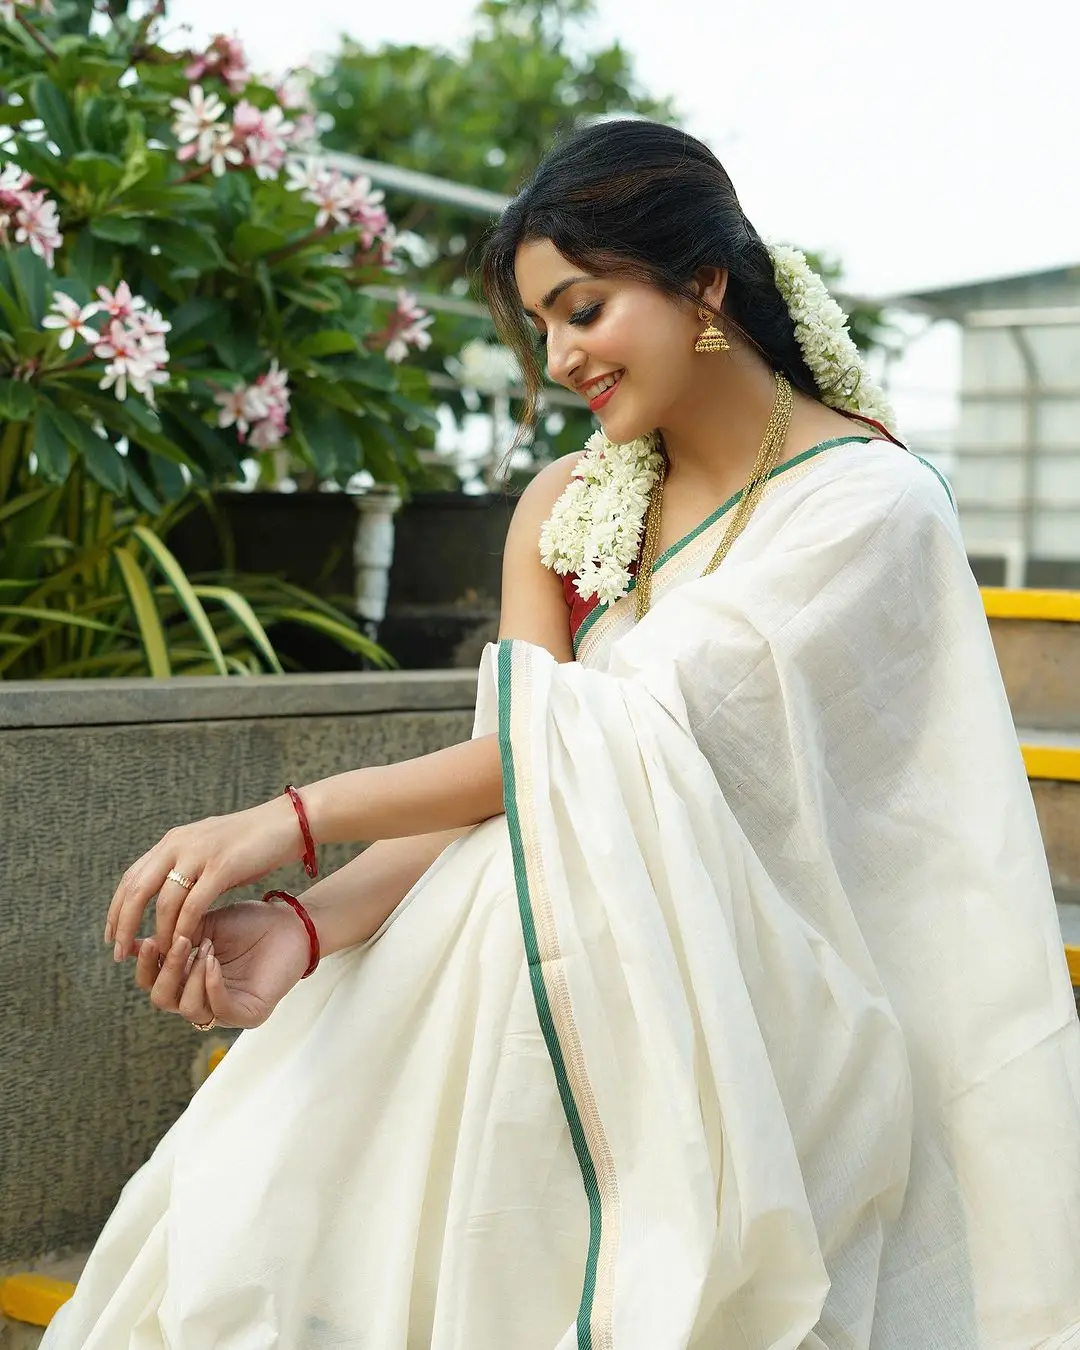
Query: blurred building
x,y
1015,463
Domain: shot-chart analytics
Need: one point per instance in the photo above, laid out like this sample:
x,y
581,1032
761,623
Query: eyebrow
x,y
556,291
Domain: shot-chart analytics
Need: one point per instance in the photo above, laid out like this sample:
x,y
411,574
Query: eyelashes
x,y
580,318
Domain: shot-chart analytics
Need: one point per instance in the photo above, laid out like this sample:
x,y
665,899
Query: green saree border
x,y
540,997
711,520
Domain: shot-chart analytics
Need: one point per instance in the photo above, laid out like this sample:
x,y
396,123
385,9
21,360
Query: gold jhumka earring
x,y
711,339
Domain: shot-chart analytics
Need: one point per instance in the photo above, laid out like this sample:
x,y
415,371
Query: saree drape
x,y
747,1026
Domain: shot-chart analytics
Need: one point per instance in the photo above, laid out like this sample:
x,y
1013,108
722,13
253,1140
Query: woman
x,y
712,994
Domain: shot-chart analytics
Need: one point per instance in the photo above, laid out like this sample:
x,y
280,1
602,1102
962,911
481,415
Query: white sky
x,y
922,143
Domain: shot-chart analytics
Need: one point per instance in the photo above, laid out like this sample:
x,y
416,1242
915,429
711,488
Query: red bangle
x,y
305,918
311,863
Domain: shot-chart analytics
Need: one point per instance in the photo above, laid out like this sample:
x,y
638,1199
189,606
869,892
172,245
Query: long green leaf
x,y
247,618
348,637
24,502
146,614
174,574
57,616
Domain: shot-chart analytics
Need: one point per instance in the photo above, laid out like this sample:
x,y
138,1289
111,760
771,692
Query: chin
x,y
624,425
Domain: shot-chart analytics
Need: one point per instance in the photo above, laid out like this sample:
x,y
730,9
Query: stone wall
x,y
91,775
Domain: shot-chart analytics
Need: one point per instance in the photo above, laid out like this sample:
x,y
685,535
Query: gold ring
x,y
205,1026
180,879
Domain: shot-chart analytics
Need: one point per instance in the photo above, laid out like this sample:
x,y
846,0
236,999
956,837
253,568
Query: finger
x,y
167,988
136,891
193,1001
115,904
146,965
195,904
220,1000
171,899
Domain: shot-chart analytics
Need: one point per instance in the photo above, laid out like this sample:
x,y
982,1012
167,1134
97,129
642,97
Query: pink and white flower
x,y
123,352
72,319
220,151
225,58
407,328
264,135
198,123
30,215
120,304
133,344
261,408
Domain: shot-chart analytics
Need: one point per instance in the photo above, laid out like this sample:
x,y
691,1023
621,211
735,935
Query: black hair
x,y
640,199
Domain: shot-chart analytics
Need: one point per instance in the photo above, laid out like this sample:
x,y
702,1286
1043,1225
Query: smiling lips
x,y
601,390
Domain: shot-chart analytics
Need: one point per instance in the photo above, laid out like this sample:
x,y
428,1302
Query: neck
x,y
713,436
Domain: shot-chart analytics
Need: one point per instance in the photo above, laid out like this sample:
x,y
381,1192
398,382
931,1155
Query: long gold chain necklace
x,y
768,457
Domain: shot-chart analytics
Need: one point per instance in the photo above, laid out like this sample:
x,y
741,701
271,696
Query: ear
x,y
711,284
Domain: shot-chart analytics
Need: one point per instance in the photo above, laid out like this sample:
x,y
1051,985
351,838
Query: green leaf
x,y
146,614
331,342
169,478
117,229
33,281
313,296
100,173
187,246
50,445
59,616
252,241
16,401
139,490
247,619
102,458
36,160
174,574
193,315
238,349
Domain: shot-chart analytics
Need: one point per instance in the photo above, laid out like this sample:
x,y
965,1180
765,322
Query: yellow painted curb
x,y
33,1298
1054,762
1072,955
1057,606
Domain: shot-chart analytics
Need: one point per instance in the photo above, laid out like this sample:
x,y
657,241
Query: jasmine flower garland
x,y
595,528
821,328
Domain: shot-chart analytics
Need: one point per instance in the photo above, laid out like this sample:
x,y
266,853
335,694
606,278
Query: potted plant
x,y
183,284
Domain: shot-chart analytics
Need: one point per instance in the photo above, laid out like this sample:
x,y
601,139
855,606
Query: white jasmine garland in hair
x,y
594,530
821,328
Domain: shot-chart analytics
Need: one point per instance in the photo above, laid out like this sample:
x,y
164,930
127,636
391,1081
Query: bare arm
x,y
454,788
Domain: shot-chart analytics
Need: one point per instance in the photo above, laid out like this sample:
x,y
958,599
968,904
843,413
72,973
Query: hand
x,y
245,959
216,854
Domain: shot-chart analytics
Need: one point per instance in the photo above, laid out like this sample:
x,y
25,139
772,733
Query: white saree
x,y
747,1026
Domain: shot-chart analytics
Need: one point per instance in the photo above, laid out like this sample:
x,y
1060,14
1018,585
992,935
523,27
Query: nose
x,y
564,357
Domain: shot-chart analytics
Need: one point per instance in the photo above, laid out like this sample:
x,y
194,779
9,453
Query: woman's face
x,y
622,345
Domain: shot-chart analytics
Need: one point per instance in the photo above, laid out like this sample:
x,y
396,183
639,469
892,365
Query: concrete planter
x,y
425,578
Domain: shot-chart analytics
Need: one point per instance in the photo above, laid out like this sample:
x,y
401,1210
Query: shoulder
x,y
535,503
882,479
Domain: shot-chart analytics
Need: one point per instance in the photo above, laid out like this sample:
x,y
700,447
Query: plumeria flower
x,y
265,136
120,304
261,408
225,58
13,179
292,93
270,432
198,120
72,319
407,328
122,349
38,224
220,151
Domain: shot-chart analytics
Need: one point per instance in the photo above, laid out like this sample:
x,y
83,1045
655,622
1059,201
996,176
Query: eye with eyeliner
x,y
580,318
